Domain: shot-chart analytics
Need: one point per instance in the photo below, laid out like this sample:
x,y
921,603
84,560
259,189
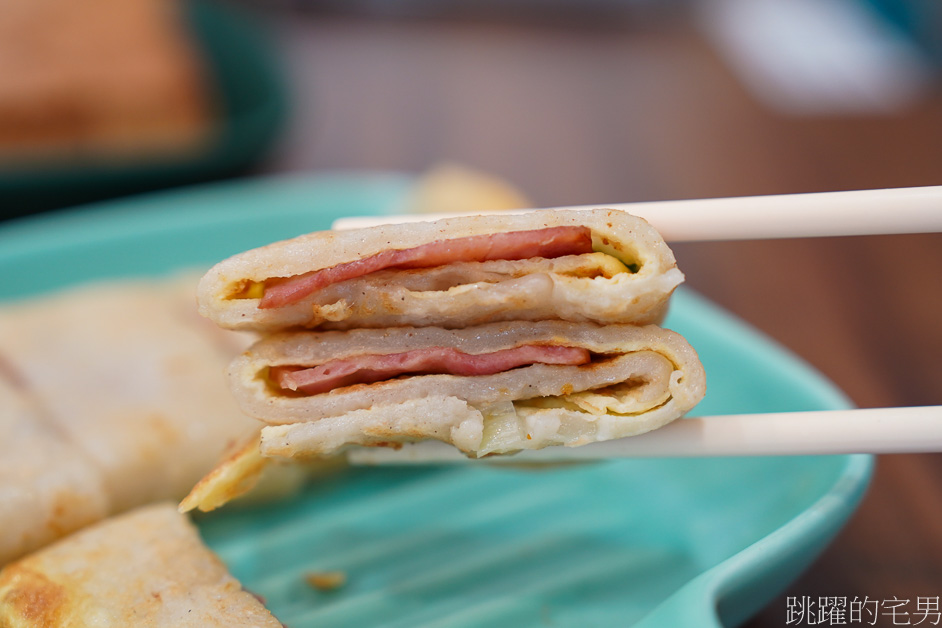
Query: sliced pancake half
x,y
602,265
493,388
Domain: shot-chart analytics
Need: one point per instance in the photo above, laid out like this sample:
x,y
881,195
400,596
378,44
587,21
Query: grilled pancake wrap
x,y
600,265
146,568
130,376
493,388
48,487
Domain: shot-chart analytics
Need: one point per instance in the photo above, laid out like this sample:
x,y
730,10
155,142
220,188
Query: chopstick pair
x,y
877,430
872,430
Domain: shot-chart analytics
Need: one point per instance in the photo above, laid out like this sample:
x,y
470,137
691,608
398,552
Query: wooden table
x,y
629,112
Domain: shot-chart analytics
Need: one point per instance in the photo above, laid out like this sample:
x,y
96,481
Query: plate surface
x,y
670,542
251,101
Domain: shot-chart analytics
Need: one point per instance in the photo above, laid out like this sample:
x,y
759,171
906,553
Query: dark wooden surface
x,y
640,111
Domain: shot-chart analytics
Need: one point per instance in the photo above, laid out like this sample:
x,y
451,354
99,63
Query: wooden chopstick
x,y
862,212
883,430
874,431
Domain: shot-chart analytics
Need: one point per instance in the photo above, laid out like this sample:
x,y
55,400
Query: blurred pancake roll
x,y
601,266
48,487
100,79
112,395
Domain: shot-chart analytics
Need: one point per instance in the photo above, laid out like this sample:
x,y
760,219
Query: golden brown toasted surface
x,y
145,568
235,475
31,599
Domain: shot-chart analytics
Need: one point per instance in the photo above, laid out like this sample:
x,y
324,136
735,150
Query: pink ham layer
x,y
366,369
547,243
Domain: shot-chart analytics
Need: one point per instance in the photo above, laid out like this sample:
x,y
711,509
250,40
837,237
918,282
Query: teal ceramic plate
x,y
251,101
670,542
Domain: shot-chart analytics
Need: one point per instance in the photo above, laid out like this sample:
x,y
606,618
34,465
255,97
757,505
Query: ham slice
x,y
366,369
547,243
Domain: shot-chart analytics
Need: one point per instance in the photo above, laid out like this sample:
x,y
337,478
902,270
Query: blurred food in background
x,y
451,188
100,79
104,98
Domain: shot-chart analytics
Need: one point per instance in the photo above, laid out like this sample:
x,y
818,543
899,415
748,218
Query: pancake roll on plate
x,y
48,487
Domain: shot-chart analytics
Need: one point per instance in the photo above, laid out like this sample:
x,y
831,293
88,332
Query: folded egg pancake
x,y
493,333
495,388
601,265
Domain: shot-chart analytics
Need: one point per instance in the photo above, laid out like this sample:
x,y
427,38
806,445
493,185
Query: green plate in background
x,y
669,542
252,103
